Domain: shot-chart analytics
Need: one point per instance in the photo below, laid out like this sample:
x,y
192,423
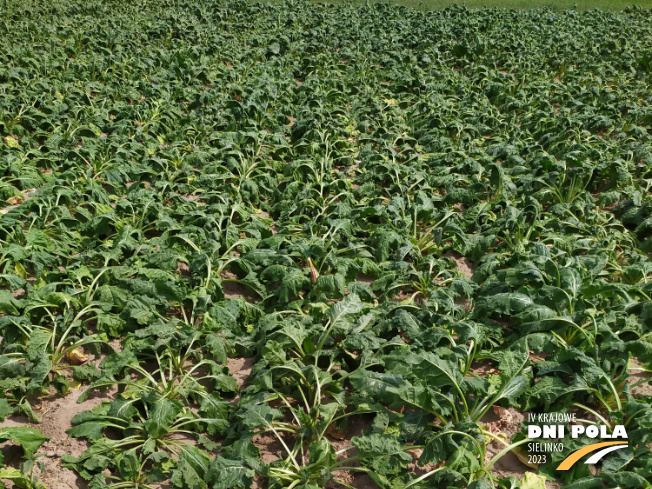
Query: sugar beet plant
x,y
402,219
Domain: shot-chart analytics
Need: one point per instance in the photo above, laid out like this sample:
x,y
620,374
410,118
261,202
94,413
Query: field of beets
x,y
304,246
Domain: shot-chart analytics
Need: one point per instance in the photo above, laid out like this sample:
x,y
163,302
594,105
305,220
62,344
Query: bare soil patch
x,y
365,278
637,374
505,423
233,290
464,265
340,441
483,368
56,413
240,368
182,269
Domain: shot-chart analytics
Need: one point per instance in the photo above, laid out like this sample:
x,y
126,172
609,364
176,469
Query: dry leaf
x,y
76,357
504,414
15,200
335,432
313,272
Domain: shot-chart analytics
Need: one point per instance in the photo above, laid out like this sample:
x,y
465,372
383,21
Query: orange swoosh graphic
x,y
568,462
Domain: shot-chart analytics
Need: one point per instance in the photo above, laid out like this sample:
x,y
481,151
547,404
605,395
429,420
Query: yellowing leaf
x,y
522,455
533,481
95,130
103,208
16,199
76,357
20,270
11,142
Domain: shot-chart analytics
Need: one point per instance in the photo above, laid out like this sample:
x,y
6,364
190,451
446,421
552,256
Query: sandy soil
x,y
341,441
233,290
56,412
636,374
464,265
507,422
240,368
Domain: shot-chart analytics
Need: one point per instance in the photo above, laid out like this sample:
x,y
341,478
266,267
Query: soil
x,y
233,290
351,172
506,422
365,279
56,412
464,265
271,449
638,375
240,368
182,269
341,441
18,293
414,465
401,296
483,368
